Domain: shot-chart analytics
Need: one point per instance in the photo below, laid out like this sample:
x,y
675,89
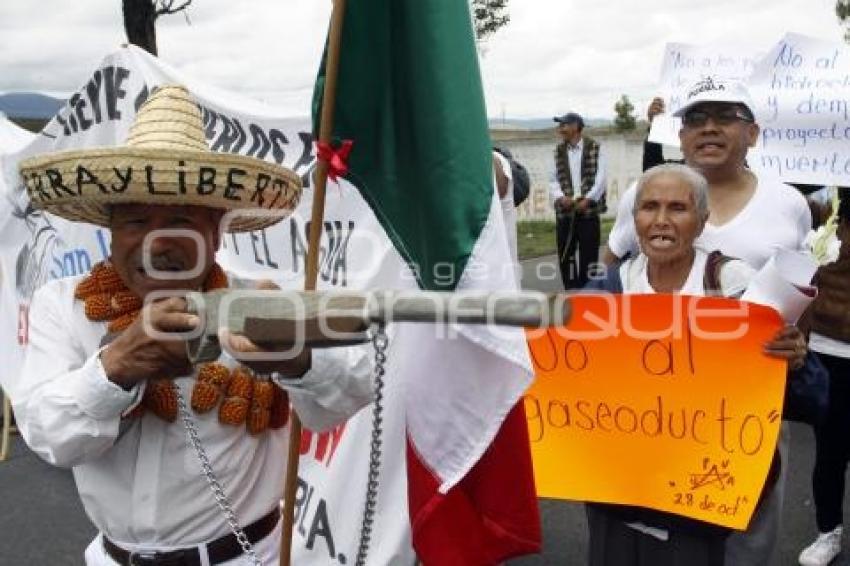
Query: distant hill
x,y
538,123
29,105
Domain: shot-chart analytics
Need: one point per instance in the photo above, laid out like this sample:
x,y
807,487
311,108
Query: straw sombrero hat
x,y
166,161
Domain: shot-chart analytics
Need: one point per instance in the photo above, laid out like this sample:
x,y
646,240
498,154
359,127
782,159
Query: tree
x,y
625,120
140,19
842,10
489,16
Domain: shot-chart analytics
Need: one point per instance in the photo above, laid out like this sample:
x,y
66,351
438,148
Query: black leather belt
x,y
220,550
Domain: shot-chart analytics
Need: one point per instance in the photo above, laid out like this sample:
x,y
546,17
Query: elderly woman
x,y
670,212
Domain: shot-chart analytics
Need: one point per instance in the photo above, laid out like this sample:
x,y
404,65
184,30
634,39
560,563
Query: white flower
x,y
823,243
809,240
832,250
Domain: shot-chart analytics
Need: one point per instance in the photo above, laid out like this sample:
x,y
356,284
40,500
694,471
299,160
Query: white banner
x,y
35,247
12,137
802,94
685,64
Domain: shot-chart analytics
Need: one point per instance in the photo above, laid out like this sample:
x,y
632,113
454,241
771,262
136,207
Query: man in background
x,y
577,188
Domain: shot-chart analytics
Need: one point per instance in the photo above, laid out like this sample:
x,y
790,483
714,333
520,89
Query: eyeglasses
x,y
725,117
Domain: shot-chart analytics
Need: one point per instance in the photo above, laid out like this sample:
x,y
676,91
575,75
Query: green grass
x,y
536,238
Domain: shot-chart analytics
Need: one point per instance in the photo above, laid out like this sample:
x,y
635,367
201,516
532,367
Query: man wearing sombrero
x,y
105,394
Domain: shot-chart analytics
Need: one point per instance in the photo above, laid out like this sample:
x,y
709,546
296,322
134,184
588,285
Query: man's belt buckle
x,y
148,558
141,558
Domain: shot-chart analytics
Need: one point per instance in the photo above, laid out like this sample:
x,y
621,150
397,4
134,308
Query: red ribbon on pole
x,y
337,159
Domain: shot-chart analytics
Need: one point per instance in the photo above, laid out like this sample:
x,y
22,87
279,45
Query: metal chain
x,y
380,341
220,497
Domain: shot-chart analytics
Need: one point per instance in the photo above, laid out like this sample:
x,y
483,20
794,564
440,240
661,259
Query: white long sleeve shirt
x,y
139,479
596,192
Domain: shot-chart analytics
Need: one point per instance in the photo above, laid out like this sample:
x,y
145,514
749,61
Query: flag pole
x,y
312,269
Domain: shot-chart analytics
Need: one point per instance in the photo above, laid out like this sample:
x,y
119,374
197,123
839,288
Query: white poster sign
x,y
685,64
801,90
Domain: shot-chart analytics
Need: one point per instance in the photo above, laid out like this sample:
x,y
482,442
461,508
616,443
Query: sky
x,y
554,56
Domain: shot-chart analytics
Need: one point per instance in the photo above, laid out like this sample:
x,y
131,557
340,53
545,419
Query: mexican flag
x,y
409,97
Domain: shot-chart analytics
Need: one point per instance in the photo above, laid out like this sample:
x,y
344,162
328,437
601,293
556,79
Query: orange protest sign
x,y
660,401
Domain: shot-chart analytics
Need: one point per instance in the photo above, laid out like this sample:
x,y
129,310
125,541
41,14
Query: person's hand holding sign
x,y
788,344
656,107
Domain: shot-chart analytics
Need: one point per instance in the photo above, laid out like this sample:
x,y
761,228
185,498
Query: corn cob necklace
x,y
241,397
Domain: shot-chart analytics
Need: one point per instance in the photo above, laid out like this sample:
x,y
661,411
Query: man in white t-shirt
x,y
750,217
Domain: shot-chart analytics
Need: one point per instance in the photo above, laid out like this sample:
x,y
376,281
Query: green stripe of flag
x,y
410,97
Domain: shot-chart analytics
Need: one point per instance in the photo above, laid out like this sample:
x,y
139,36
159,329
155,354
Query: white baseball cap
x,y
712,89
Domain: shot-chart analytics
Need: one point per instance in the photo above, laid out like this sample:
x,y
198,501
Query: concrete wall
x,y
535,149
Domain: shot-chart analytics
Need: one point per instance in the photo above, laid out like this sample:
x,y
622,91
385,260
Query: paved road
x,y
41,518
42,522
